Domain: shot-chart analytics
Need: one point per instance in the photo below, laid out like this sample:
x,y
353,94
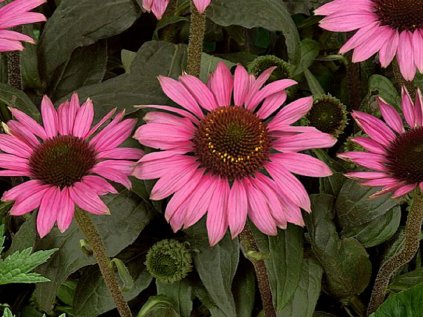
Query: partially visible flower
x,y
169,261
224,155
158,7
394,153
388,27
66,160
328,114
13,14
260,64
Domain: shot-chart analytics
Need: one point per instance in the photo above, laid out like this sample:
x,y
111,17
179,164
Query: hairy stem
x,y
88,229
411,245
249,244
196,38
14,76
354,85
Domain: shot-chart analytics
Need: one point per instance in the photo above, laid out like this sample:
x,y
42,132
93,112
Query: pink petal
x,y
29,123
201,5
258,210
221,84
178,111
179,94
418,49
289,185
389,50
21,132
23,190
302,164
27,203
47,213
360,37
217,212
271,104
66,210
13,145
405,56
369,160
291,113
121,153
391,116
98,184
304,141
407,107
237,208
241,85
374,127
366,175
84,119
101,122
369,145
270,89
404,190
419,108
372,45
200,91
87,199
50,118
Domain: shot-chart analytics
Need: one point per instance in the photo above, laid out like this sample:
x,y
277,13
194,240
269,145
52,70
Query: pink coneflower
x,y
218,149
388,27
66,160
158,7
394,154
13,14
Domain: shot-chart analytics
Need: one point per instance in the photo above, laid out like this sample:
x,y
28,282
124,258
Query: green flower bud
x,y
328,114
169,261
261,63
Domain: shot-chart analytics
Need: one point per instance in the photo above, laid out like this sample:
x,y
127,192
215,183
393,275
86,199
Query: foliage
x,y
113,52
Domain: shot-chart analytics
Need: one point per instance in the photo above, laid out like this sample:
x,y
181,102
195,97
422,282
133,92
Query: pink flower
x,y
219,147
66,160
13,14
394,154
388,27
158,7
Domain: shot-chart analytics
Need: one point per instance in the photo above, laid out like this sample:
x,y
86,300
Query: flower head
x,y
394,153
388,27
13,14
169,261
66,160
158,7
223,155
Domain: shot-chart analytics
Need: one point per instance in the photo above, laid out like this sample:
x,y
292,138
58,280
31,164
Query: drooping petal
x,y
302,164
48,211
391,116
66,210
237,207
217,213
87,199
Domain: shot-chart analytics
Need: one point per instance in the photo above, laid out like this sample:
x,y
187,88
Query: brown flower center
x,y
62,160
405,156
232,142
400,14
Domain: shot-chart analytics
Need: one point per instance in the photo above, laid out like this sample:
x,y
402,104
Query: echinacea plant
x,y
68,162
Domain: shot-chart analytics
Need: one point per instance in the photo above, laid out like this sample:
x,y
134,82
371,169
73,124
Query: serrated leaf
x,y
7,313
404,304
16,267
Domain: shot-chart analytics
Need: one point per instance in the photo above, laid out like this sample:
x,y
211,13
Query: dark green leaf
x,y
77,23
159,305
180,293
283,258
345,261
245,291
216,266
18,99
307,292
271,15
405,281
383,87
355,208
309,52
403,304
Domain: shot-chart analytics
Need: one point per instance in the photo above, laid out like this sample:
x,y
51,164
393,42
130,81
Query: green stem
x,y
88,229
249,244
411,246
196,38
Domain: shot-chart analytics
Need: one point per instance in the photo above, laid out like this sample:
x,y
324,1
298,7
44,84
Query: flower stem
x,y
14,76
196,38
249,244
411,245
354,85
88,229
